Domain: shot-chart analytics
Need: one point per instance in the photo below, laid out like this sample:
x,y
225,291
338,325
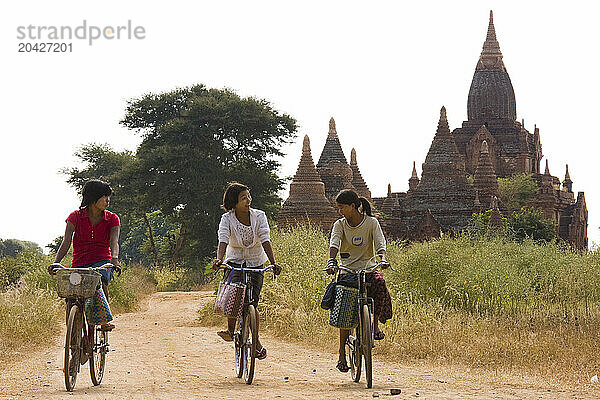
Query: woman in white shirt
x,y
244,238
358,237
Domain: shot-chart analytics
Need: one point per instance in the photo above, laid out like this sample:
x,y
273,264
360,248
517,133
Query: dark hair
x,y
349,196
92,191
231,195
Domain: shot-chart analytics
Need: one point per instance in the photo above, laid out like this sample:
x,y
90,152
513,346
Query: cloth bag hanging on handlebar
x,y
230,297
344,313
96,308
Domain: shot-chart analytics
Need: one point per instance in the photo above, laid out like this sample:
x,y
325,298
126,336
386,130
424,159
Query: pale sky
x,y
382,69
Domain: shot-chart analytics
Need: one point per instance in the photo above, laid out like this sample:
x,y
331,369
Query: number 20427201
x,y
45,47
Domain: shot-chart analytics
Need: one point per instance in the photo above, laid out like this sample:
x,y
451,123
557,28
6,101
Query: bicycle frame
x,y
246,335
84,335
361,345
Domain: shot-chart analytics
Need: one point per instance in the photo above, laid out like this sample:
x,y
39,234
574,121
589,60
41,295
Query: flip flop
x,y
342,366
379,335
106,327
226,335
262,353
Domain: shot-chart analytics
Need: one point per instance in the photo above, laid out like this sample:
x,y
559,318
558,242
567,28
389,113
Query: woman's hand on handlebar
x,y
276,268
331,266
216,263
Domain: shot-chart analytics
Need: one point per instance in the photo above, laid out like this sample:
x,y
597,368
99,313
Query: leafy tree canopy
x,y
12,247
195,141
530,223
517,191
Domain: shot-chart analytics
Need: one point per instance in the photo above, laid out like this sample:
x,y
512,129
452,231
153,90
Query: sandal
x,y
262,353
379,335
342,366
106,327
226,335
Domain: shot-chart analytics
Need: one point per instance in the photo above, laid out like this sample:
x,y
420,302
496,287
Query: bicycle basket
x,y
78,283
344,313
230,299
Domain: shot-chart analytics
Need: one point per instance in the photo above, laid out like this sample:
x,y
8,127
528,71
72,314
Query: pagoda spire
x,y
443,127
484,179
357,180
307,201
332,130
413,182
332,151
568,183
491,56
495,224
547,171
306,168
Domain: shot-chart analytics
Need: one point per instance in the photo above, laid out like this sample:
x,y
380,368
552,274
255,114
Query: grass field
x,y
489,304
30,310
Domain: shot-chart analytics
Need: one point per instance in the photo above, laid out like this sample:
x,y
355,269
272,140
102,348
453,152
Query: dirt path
x,y
159,353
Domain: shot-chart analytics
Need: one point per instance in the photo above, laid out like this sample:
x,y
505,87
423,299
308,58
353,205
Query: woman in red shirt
x,y
94,232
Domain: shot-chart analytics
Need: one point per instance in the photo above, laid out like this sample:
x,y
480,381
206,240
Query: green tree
x,y
530,223
13,247
195,141
517,191
100,161
55,244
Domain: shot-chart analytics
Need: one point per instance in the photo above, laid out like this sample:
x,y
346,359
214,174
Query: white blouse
x,y
240,245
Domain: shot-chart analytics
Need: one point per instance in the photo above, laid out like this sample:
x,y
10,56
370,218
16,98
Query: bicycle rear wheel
x,y
240,338
250,344
367,344
73,347
98,356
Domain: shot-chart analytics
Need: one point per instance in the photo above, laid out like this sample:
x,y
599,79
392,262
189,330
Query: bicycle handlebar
x,y
230,267
368,269
57,266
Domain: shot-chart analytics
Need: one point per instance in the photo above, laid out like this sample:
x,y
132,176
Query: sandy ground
x,y
160,353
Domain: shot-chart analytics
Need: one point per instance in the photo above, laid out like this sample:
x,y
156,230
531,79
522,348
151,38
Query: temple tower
x,y
568,183
307,201
332,167
443,189
484,180
357,180
491,95
413,182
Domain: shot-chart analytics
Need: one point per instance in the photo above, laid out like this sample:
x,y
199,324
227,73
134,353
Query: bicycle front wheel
x,y
73,347
354,355
98,356
240,339
251,345
367,344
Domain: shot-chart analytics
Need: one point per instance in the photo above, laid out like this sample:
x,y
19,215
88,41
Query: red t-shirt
x,y
91,243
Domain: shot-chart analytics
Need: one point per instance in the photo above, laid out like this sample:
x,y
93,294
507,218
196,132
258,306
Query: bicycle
x,y
245,336
76,285
361,344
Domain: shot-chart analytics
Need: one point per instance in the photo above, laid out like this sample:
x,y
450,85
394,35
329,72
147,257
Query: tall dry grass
x,y
28,317
31,312
488,304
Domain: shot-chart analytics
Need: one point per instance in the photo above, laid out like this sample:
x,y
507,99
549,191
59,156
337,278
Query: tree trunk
x,y
178,245
151,235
